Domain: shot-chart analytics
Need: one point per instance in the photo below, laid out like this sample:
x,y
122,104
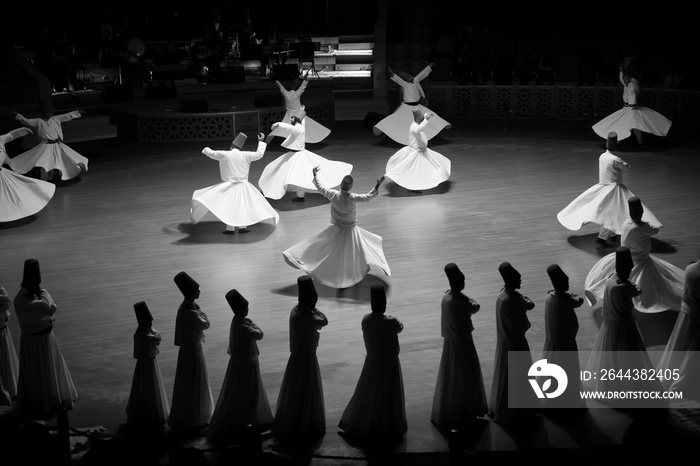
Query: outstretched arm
x,y
374,192
325,192
14,134
621,76
424,72
214,154
70,115
424,123
23,120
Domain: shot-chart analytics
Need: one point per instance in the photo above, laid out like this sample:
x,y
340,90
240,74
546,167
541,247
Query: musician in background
x,y
274,45
106,53
214,38
49,54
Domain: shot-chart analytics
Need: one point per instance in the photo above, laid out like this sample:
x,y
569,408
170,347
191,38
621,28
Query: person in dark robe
x,y
511,325
300,415
192,404
459,393
242,401
376,412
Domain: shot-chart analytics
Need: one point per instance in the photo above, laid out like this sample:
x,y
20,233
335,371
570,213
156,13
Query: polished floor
x,y
120,233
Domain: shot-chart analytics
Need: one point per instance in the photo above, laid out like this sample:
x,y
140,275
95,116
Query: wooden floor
x,y
121,232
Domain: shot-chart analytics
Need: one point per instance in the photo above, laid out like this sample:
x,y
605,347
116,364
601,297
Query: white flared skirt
x,y
22,196
237,204
685,337
338,257
314,133
397,124
56,156
661,283
626,119
417,170
615,337
293,171
605,205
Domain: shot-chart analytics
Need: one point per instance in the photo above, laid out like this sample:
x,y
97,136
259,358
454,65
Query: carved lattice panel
x,y
524,102
609,100
586,102
544,102
186,127
463,101
565,103
482,102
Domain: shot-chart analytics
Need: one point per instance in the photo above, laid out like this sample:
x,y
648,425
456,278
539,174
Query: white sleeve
x,y
214,154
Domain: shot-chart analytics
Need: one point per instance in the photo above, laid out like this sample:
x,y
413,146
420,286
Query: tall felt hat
x,y
623,261
347,182
301,114
143,314
559,279
508,272
236,301
417,112
454,275
378,298
635,207
186,284
32,272
240,140
307,290
611,143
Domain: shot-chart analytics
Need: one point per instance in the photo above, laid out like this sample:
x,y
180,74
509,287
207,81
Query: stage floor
x,y
121,232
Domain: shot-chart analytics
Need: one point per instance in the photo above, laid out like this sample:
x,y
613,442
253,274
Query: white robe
x,y
661,282
632,116
415,166
315,132
292,171
605,203
50,153
234,201
394,125
340,256
20,196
